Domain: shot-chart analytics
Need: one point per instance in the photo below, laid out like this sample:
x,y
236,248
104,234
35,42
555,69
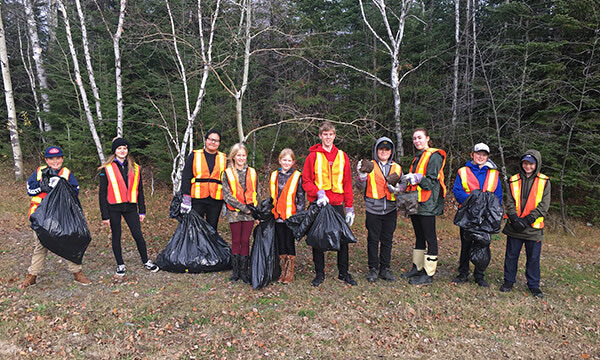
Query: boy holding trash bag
x,y
39,184
327,178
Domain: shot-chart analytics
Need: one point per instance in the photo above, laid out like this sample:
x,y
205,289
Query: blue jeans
x,y
533,250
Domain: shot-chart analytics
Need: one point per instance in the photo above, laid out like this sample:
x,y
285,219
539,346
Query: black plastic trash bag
x,y
480,248
301,221
264,257
175,207
263,211
195,247
481,212
60,224
329,230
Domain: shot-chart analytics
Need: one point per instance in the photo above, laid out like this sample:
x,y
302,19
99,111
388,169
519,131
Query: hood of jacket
x,y
379,141
319,148
538,160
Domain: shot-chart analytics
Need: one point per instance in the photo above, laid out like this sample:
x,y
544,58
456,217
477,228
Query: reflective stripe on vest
x,y
421,168
284,204
247,197
377,184
204,189
330,177
535,196
470,182
118,192
36,200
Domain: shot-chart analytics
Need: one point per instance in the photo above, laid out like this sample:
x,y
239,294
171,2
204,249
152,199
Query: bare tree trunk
x,y
10,105
31,76
116,39
456,62
37,58
239,95
52,20
78,80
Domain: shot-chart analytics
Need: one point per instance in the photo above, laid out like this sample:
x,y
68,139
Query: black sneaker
x,y
373,274
318,280
536,292
506,287
482,283
120,270
387,275
413,272
150,266
347,278
460,279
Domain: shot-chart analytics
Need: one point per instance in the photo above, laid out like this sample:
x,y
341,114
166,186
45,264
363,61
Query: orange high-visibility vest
x,y
205,184
36,200
470,182
421,168
247,197
119,192
535,196
377,184
330,177
284,204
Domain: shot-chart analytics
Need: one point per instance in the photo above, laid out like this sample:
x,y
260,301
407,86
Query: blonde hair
x,y
326,126
285,152
112,157
235,149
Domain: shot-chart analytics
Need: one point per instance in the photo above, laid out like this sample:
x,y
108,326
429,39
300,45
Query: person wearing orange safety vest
x,y
39,184
201,180
380,208
327,178
240,188
426,177
481,174
121,194
285,187
526,207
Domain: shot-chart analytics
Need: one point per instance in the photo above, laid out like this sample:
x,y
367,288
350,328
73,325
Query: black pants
x,y
533,250
208,208
424,226
380,230
465,257
342,254
285,239
132,218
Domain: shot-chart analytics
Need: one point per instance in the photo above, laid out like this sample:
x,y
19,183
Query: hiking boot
x,y
347,278
461,279
120,270
318,280
29,280
413,272
536,292
424,279
373,275
80,278
482,283
387,275
506,287
150,266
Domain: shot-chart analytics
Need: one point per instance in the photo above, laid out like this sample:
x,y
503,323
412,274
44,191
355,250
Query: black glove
x,y
45,184
520,225
513,218
530,219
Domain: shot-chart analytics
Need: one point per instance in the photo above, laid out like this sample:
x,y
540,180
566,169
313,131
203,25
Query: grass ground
x,y
203,316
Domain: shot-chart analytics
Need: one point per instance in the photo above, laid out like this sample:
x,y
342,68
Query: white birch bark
x,y
10,105
79,81
37,58
245,17
31,77
88,61
52,20
456,61
117,51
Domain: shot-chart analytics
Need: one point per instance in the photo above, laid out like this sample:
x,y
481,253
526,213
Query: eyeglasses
x,y
213,140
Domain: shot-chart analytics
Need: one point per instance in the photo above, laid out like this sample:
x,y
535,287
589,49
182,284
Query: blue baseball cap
x,y
529,158
53,151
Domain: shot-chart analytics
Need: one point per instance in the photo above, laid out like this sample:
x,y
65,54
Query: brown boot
x,y
289,274
80,278
283,264
29,280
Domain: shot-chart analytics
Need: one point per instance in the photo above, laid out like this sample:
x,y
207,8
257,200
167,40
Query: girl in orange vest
x,y
426,177
239,190
288,197
122,195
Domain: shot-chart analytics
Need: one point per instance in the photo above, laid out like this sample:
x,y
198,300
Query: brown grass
x,y
203,316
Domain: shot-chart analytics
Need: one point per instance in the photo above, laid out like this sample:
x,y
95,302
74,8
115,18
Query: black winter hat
x,y
119,142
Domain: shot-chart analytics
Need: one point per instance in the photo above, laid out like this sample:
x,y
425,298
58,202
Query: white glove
x,y
322,198
186,204
53,181
362,176
350,216
414,178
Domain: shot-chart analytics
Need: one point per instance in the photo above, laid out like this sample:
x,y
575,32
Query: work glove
x,y
513,218
350,216
520,225
530,219
186,204
53,181
361,170
414,178
398,189
322,198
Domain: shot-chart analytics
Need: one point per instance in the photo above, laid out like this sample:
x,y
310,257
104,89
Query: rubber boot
x,y
244,264
418,262
289,273
283,263
235,273
427,277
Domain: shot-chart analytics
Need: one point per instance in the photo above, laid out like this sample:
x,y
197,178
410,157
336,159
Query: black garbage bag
x,y
195,247
480,248
264,257
481,212
175,207
329,230
60,224
301,221
263,211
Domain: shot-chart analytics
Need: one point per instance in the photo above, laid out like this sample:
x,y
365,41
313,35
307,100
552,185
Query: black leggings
x,y
425,233
133,221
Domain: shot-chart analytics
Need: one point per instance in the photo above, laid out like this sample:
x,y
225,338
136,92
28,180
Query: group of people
x,y
211,180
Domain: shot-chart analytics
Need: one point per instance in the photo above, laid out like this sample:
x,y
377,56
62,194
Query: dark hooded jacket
x,y
530,233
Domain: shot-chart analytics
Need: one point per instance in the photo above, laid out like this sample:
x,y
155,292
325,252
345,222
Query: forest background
x,y
513,74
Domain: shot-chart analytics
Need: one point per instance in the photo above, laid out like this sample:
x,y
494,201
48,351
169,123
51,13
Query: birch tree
x,y
10,105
